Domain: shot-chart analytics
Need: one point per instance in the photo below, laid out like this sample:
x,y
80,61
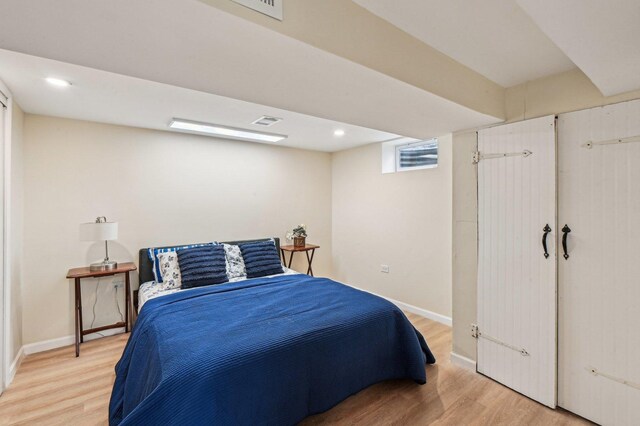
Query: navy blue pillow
x,y
201,266
261,258
153,256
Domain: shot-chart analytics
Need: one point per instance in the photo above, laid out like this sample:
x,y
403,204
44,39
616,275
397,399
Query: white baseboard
x,y
13,368
47,345
422,312
443,319
463,361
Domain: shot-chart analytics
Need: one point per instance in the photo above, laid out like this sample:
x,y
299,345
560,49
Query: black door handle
x,y
565,232
546,231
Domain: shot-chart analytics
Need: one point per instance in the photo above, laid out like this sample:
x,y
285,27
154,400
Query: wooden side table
x,y
293,249
77,274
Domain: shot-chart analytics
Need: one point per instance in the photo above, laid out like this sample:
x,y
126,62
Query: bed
x,y
270,350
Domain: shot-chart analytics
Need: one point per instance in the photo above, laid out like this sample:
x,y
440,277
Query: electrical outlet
x,y
384,268
474,330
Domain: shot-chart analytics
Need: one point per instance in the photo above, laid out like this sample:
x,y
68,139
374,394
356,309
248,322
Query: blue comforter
x,y
262,351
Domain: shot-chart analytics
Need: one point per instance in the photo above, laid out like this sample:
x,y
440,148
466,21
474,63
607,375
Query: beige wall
x,y
465,248
399,219
569,91
162,188
15,231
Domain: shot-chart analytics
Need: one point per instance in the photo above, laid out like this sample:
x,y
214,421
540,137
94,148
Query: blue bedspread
x,y
262,351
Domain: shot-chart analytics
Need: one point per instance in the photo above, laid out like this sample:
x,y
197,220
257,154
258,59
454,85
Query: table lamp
x,y
100,230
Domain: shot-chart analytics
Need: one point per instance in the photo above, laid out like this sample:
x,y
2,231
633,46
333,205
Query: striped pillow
x,y
201,266
261,259
153,256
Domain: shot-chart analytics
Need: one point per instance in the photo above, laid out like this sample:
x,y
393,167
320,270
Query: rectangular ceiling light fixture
x,y
223,131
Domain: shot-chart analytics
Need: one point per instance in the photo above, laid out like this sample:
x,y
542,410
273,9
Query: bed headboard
x,y
145,269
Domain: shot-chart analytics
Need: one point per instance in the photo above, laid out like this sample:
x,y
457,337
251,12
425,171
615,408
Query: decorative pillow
x,y
200,266
235,262
261,259
153,256
169,270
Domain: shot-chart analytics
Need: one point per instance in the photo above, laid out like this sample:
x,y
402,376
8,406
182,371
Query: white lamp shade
x,y
98,231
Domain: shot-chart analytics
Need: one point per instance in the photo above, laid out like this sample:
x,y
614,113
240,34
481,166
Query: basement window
x,y
417,155
403,154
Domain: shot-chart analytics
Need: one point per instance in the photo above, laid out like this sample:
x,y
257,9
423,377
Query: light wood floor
x,y
55,388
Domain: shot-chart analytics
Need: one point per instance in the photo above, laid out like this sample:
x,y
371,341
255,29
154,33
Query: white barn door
x,y
516,280
599,289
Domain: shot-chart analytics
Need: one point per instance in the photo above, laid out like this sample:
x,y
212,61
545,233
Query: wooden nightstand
x,y
77,274
293,249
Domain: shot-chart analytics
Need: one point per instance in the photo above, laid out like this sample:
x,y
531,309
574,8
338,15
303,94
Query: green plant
x,y
298,231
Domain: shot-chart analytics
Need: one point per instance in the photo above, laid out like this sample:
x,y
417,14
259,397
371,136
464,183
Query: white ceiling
x,y
493,37
116,99
191,45
601,37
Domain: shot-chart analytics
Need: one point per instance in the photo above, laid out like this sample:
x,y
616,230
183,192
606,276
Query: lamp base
x,y
107,265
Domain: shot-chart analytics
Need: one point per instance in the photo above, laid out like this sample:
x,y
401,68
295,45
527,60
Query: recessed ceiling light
x,y
223,131
58,82
338,133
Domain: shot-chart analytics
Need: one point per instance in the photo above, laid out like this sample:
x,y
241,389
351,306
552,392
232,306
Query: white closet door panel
x,y
516,283
599,289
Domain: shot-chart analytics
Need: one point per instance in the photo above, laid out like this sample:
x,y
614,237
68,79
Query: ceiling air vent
x,y
271,8
267,121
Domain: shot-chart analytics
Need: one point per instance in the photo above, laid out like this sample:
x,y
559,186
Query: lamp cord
x,y
95,302
118,306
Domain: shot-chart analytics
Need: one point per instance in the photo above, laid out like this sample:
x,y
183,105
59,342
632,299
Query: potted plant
x,y
298,235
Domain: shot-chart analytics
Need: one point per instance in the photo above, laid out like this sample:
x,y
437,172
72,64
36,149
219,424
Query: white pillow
x,y
235,262
170,270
